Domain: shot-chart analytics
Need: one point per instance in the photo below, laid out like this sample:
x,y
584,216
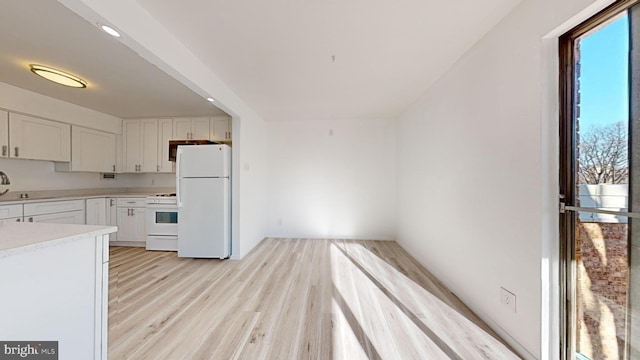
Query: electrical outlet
x,y
508,299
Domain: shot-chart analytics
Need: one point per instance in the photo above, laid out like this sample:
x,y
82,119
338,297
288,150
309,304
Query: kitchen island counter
x,y
55,280
23,237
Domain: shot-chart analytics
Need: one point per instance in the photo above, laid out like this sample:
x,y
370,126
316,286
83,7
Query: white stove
x,y
162,199
162,222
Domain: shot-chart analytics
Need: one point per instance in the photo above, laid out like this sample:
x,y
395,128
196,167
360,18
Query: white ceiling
x,y
120,82
278,55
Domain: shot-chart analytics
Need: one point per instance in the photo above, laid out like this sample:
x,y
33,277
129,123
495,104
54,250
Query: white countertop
x,y
74,194
23,237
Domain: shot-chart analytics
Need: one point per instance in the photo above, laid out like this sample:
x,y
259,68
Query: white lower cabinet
x,y
59,212
11,213
69,217
96,213
131,220
112,216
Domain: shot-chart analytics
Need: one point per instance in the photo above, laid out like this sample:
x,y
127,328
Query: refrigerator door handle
x,y
178,163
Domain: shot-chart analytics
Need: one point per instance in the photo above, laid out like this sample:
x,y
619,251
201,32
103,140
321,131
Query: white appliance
x,y
162,222
203,185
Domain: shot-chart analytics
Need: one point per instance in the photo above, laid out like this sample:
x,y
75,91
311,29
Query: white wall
x,y
250,171
485,136
32,175
339,185
149,180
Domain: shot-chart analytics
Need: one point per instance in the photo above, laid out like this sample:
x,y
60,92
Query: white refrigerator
x,y
203,190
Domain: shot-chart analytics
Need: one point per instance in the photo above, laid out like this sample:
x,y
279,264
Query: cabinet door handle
x,y
31,219
111,202
16,151
158,168
114,167
5,148
18,220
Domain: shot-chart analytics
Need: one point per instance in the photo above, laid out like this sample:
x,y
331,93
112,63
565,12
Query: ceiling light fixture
x,y
58,76
109,30
210,99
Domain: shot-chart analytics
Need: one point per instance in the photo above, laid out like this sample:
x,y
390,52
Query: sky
x,y
604,88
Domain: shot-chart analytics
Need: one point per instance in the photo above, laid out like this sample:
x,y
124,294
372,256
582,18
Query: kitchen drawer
x,y
10,211
132,202
68,217
51,207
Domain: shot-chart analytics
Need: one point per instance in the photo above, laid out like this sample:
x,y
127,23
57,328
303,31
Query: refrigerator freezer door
x,y
204,218
203,161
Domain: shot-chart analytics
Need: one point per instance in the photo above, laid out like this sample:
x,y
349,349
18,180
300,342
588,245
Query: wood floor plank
x,y
290,299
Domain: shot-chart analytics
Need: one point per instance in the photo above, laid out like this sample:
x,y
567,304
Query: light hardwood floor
x,y
290,299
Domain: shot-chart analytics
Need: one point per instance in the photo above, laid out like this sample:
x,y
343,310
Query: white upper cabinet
x,y
4,134
165,133
181,128
140,140
91,151
200,128
220,129
191,128
149,145
38,139
132,145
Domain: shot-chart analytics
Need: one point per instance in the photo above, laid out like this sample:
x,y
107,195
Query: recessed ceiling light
x,y
109,30
210,99
58,76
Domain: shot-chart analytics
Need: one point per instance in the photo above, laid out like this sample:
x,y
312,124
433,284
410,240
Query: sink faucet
x,y
4,180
